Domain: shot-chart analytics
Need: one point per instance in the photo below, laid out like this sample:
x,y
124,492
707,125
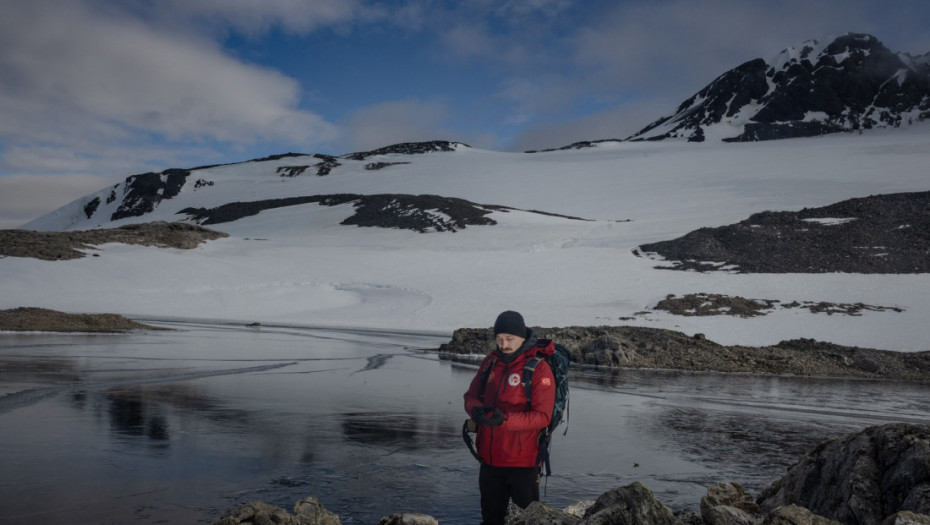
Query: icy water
x,y
180,426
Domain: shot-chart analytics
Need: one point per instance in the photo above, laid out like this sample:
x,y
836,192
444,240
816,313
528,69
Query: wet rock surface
x,y
879,476
44,320
54,246
877,234
642,347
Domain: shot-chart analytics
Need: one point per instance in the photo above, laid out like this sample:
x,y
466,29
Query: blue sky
x,y
94,90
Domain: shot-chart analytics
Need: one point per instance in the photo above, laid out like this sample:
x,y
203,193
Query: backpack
x,y
558,362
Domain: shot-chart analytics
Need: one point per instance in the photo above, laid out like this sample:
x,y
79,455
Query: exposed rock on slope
x,y
409,148
876,234
53,246
420,213
704,304
640,347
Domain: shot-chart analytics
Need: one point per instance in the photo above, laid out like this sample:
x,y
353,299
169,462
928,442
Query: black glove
x,y
496,419
480,416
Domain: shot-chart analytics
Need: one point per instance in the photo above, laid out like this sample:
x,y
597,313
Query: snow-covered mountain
x,y
438,235
850,82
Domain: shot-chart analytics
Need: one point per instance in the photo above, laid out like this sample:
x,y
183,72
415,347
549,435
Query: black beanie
x,y
510,322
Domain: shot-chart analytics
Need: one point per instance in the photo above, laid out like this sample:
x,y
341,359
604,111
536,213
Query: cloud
x,y
26,197
77,78
678,46
618,122
393,122
251,17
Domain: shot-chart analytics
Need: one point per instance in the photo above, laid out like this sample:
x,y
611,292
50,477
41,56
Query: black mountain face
x,y
850,83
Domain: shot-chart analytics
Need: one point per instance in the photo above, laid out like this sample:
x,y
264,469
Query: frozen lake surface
x,y
180,426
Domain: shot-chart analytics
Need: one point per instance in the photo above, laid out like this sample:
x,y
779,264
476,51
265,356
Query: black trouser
x,y
498,485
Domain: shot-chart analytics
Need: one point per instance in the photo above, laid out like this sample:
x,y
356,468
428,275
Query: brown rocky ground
x,y
54,246
43,320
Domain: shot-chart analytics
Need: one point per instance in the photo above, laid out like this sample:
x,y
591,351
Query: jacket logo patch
x,y
513,380
546,381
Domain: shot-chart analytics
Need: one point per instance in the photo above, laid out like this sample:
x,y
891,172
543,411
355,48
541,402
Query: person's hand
x,y
481,417
497,418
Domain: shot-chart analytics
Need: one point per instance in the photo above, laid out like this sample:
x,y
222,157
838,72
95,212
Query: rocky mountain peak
x,y
846,83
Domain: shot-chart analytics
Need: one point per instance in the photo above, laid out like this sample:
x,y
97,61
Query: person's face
x,y
509,343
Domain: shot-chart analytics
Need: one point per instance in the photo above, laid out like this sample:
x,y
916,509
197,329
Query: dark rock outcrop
x,y
54,246
861,479
876,234
421,213
643,347
408,148
711,304
142,193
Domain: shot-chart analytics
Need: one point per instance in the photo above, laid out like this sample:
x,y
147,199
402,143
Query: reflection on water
x,y
180,426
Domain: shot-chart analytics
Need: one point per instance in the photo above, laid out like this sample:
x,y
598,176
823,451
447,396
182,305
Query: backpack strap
x,y
542,440
529,368
491,362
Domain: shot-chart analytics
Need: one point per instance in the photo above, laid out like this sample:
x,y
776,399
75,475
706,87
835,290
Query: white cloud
x,y
26,197
77,78
677,46
251,17
616,123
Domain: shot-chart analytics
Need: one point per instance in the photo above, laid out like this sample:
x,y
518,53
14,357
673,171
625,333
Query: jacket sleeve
x,y
540,412
474,396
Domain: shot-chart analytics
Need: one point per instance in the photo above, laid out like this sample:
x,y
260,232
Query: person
x,y
508,424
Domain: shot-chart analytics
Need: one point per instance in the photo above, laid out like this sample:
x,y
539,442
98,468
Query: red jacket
x,y
513,444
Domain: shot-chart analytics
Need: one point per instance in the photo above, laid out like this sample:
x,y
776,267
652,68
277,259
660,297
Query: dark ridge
x,y
877,234
421,213
143,192
407,148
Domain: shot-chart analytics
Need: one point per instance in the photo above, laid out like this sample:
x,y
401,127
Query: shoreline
x,y
592,347
631,347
